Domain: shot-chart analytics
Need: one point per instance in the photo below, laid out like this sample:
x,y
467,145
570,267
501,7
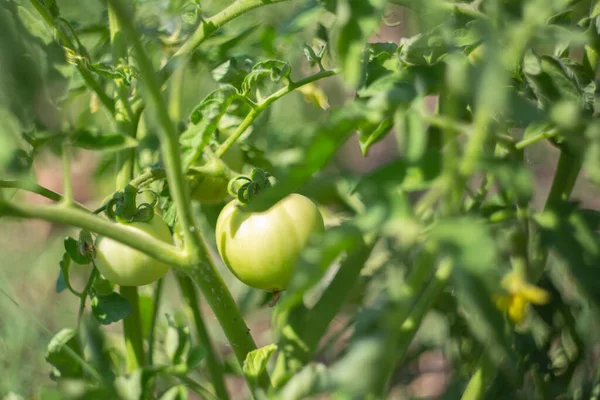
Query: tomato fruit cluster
x,y
213,190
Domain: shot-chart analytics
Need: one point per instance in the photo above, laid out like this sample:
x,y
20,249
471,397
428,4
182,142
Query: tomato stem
x,y
132,327
188,291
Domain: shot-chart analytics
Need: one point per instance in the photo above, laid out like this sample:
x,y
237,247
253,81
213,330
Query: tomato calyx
x,y
123,206
252,186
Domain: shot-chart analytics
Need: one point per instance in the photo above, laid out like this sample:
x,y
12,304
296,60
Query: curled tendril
x,y
123,206
251,186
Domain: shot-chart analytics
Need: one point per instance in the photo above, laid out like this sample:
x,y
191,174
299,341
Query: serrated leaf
x,y
275,70
256,361
60,358
356,21
233,71
103,142
109,308
215,103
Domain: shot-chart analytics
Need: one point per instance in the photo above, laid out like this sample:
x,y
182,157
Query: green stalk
x,y
81,219
132,324
213,364
158,291
412,308
564,180
67,199
209,26
256,111
422,306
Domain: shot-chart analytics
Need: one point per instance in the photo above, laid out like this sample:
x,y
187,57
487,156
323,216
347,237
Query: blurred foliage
x,y
421,244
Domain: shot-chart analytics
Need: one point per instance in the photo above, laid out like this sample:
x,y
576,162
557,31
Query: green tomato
x,y
261,248
214,190
125,266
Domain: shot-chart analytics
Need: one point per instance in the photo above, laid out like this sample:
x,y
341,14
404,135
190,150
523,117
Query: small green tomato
x,y
261,248
125,266
214,190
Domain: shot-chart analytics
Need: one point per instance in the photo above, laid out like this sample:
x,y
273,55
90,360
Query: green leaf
x,y
233,71
61,359
312,379
62,282
103,142
326,140
72,249
204,122
571,234
411,134
552,80
109,308
356,21
316,259
275,70
214,105
382,60
256,361
195,356
177,339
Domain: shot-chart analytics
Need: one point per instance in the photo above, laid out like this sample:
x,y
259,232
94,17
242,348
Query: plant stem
x,y
534,139
158,291
83,296
208,27
70,216
132,324
256,111
223,305
564,180
38,189
213,364
67,199
168,135
420,309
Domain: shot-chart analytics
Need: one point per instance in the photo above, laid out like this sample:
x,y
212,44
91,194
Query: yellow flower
x,y
315,95
520,294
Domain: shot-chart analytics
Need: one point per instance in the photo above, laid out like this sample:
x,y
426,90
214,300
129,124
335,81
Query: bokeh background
x,y
31,311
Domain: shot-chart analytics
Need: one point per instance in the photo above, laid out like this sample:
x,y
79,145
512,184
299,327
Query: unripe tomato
x,y
125,266
214,190
261,248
